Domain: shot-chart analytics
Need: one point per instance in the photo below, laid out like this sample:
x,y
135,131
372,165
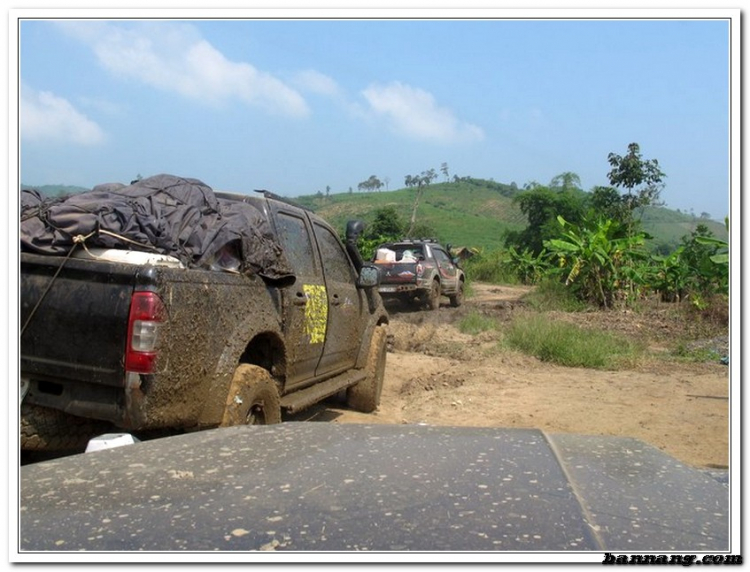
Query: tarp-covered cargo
x,y
171,215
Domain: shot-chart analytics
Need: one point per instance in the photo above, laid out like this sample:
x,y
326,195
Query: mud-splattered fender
x,y
261,323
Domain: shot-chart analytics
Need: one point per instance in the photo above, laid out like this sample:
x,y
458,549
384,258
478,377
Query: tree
x,y
386,226
370,184
421,182
641,178
444,171
542,206
607,202
566,181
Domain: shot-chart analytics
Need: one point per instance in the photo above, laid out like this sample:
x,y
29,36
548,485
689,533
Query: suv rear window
x,y
400,249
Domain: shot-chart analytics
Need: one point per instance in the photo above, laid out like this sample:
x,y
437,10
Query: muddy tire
x,y
45,429
253,398
365,396
458,298
433,300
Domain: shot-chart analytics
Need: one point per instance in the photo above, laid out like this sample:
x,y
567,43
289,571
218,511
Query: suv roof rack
x,y
423,239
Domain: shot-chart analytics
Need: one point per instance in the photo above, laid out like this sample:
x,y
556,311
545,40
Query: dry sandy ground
x,y
439,376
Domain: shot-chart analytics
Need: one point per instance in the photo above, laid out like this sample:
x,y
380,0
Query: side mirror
x,y
353,229
369,276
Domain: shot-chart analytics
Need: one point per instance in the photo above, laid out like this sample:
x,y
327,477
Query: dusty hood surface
x,y
329,487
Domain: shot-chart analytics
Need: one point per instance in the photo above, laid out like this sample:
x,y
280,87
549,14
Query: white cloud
x,y
415,113
173,57
316,82
48,117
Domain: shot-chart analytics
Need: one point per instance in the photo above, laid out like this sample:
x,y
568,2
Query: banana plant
x,y
720,257
712,275
670,276
528,267
592,257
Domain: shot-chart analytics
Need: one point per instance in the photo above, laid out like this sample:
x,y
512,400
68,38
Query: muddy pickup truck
x,y
165,306
419,272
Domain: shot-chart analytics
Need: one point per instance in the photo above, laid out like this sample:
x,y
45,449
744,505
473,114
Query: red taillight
x,y
147,313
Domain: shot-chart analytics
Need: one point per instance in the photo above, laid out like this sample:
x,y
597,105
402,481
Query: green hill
x,y
668,226
477,213
470,212
461,213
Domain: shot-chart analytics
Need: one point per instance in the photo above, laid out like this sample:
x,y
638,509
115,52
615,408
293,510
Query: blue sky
x,y
298,105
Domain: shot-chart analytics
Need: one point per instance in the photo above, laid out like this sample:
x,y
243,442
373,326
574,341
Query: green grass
x,y
695,354
475,323
568,345
469,290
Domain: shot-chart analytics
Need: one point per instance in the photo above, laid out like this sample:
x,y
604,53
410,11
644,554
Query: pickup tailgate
x,y
74,323
396,274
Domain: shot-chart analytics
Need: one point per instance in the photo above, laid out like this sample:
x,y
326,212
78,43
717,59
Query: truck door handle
x,y
335,300
300,300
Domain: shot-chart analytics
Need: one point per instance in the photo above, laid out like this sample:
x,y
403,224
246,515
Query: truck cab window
x,y
337,264
296,242
442,258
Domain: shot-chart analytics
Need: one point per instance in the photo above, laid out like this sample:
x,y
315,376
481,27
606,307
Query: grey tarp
x,y
166,214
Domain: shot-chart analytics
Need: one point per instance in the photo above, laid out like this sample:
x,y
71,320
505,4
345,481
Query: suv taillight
x,y
147,314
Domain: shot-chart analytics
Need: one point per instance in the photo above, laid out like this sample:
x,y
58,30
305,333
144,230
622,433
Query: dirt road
x,y
439,376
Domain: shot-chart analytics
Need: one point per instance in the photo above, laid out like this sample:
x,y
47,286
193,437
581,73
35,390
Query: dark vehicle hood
x,y
337,487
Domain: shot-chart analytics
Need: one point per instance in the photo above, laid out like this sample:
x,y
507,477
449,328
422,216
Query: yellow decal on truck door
x,y
316,312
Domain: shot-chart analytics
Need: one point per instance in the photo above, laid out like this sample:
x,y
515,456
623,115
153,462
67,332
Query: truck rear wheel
x,y
433,302
45,429
365,396
253,398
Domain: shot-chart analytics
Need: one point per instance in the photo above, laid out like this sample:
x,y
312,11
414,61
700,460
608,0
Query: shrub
x,y
490,267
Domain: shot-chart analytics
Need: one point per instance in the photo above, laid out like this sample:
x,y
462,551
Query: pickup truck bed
x,y
80,333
